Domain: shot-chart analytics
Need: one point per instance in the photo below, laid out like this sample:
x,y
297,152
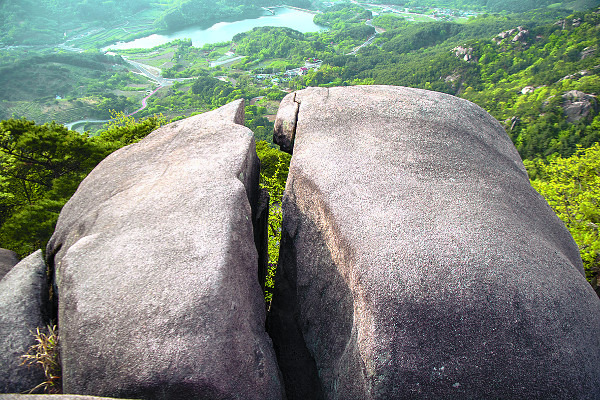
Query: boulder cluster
x,y
520,35
416,261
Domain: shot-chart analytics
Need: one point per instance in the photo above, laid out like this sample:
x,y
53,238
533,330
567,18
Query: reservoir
x,y
224,31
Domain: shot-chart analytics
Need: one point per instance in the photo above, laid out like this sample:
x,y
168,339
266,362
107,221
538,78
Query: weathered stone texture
x,y
8,259
156,269
23,298
578,105
418,262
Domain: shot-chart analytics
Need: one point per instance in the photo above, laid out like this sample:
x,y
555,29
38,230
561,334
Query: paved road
x,y
70,125
149,72
370,40
144,102
230,60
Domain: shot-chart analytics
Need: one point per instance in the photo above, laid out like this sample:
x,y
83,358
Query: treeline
x,y
336,16
347,30
51,74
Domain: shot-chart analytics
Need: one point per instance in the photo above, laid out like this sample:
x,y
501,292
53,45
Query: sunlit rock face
x,y
156,269
417,262
23,301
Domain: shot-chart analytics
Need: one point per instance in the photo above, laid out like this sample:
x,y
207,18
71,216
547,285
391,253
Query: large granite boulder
x,y
8,259
23,301
417,262
156,269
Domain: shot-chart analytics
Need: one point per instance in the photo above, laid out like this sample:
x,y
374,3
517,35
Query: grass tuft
x,y
45,354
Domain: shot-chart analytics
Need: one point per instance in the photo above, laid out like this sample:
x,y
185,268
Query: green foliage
x,y
255,119
209,88
572,188
123,130
525,81
274,170
418,36
272,42
32,158
389,21
339,14
53,74
40,169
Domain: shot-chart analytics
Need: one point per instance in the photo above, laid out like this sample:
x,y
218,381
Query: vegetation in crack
x,y
274,171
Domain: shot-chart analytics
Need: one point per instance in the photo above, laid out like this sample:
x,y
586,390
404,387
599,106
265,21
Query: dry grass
x,y
45,354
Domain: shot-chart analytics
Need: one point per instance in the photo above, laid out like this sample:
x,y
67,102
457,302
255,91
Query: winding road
x,y
371,38
150,72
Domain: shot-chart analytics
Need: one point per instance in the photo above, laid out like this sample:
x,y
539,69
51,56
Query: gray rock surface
x,y
156,269
8,259
22,310
418,263
577,105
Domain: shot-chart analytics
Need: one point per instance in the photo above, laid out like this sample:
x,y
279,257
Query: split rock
x,y
418,262
156,269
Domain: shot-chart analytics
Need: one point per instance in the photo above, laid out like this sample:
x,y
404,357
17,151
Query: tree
x,y
274,171
572,188
40,169
32,156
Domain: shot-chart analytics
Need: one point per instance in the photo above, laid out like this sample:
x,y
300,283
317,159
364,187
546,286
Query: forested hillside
x,y
50,21
523,75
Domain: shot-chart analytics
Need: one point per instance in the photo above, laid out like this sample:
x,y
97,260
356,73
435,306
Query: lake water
x,y
224,31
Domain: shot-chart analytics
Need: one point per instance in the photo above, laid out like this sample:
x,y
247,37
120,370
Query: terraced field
x,y
141,25
42,114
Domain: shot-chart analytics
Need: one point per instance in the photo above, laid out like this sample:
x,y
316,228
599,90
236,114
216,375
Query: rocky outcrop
x,y
520,35
588,52
22,310
528,90
156,269
418,262
8,259
578,105
466,53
